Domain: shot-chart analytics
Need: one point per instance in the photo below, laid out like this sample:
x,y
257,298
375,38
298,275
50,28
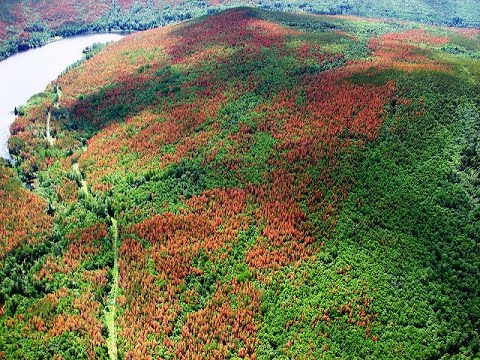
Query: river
x,y
28,73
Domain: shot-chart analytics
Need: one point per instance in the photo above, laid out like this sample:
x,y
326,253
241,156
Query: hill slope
x,y
255,185
31,23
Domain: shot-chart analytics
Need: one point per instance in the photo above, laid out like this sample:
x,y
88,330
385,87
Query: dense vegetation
x,y
31,23
250,185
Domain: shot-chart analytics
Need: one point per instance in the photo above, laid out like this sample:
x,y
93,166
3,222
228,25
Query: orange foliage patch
x,y
403,50
58,13
335,114
83,245
220,328
3,30
23,219
212,221
468,33
85,320
244,31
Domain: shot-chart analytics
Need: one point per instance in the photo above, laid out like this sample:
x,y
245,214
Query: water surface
x,y
27,73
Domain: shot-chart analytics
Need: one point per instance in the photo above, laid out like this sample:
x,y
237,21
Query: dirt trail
x,y
50,139
112,298
111,308
83,183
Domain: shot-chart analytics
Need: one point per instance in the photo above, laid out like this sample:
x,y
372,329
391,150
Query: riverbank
x,y
18,47
28,73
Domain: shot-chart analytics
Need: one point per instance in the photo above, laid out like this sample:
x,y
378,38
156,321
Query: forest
x,y
27,24
249,185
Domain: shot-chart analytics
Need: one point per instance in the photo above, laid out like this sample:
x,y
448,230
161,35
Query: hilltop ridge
x,y
28,23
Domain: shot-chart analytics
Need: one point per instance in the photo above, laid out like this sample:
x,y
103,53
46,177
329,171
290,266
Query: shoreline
x,y
20,86
19,49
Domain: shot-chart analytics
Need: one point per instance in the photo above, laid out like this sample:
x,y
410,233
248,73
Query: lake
x,y
28,73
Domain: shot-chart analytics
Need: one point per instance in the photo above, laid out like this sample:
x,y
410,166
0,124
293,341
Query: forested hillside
x,y
31,23
250,184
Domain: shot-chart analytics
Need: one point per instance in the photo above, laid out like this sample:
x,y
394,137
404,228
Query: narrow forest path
x,y
50,139
112,298
59,95
56,105
111,308
83,183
